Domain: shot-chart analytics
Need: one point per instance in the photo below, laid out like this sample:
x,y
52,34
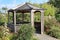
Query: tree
x,y
56,4
4,9
36,4
50,9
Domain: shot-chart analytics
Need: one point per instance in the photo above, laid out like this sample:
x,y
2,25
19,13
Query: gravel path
x,y
44,37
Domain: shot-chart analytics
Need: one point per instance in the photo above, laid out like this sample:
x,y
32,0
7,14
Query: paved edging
x,y
44,37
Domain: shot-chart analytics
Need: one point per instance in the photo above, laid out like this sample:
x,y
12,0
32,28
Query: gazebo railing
x,y
18,24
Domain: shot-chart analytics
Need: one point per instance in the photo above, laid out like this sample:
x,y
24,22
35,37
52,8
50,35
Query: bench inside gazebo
x,y
26,8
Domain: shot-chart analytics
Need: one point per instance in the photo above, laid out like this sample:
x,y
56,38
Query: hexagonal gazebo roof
x,y
26,7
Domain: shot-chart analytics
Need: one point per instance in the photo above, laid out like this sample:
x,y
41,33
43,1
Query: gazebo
x,y
24,8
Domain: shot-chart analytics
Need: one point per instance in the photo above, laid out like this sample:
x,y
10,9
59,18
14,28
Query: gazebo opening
x,y
22,18
37,21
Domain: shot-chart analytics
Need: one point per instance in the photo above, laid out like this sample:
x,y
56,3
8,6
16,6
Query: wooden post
x,y
32,18
15,22
42,22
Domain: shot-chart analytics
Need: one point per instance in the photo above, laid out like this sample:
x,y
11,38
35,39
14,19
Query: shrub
x,y
4,33
26,32
52,28
55,31
34,38
57,16
13,36
3,19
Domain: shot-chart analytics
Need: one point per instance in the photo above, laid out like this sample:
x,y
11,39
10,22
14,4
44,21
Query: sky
x,y
13,3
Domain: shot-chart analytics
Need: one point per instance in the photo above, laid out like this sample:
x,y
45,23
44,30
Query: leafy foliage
x,y
2,19
56,3
37,17
50,10
4,33
26,32
55,31
37,5
52,28
57,16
